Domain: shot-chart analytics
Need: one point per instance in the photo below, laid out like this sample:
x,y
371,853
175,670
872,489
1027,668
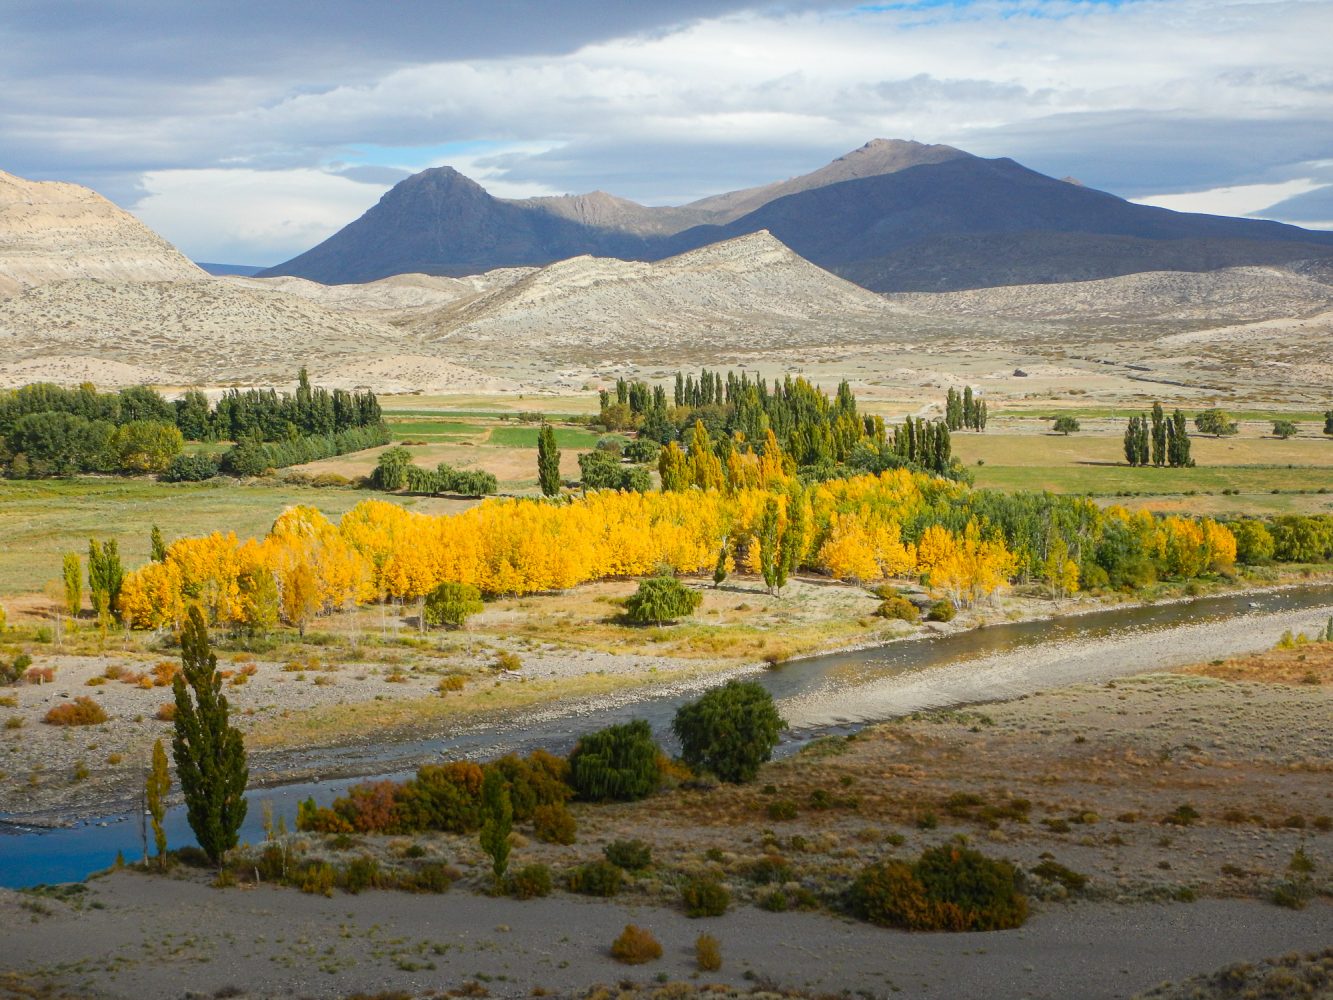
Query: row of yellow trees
x,y
851,529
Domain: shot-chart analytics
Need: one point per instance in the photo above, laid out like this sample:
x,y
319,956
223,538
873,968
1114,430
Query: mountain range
x,y
892,216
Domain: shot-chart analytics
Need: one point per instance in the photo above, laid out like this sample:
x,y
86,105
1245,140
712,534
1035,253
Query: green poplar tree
x,y
548,461
158,545
209,751
1159,454
73,584
497,820
156,787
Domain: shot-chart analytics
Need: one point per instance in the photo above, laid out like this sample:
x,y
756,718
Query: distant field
x,y
41,520
500,402
1053,410
422,428
526,437
1053,451
1110,480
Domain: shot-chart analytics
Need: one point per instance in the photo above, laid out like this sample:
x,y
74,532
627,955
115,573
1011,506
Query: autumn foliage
x,y
866,528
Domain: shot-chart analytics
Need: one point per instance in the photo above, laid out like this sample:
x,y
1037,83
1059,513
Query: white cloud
x,y
1223,95
250,216
1247,199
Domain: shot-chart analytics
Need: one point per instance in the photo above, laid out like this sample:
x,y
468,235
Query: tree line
x,y
46,430
1158,440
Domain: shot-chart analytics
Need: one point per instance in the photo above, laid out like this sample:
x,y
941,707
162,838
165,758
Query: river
x,y
827,694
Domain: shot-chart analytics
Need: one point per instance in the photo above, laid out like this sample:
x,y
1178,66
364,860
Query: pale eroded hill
x,y
1238,294
742,294
51,231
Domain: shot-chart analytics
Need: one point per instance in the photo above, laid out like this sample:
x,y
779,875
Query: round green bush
x,y
899,608
452,604
617,763
631,855
705,897
529,882
596,878
941,611
661,599
730,731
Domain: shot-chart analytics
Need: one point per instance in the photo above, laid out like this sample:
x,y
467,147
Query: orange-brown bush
x,y
166,712
554,824
40,675
707,953
635,946
82,711
163,673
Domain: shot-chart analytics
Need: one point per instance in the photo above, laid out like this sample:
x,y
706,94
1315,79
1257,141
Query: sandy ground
x,y
1099,765
158,938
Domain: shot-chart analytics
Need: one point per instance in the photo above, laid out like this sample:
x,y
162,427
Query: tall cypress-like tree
x,y
208,750
497,820
1159,455
1181,452
157,545
548,461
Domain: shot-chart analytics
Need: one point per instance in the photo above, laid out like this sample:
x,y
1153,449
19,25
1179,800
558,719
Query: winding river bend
x,y
835,693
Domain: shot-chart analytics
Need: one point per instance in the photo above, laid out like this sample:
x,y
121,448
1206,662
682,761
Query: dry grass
x,y
1310,664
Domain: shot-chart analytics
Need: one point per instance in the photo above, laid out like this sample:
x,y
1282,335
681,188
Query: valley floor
x,y
1182,800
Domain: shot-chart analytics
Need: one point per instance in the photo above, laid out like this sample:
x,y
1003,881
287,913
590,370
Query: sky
x,y
247,131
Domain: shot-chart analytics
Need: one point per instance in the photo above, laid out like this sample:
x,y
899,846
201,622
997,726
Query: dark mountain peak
x,y
891,215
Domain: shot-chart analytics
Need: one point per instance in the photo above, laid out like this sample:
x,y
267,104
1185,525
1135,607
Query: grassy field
x,y
1051,410
1093,463
526,437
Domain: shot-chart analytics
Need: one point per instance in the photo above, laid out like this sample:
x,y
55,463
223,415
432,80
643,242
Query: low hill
x,y
52,231
742,294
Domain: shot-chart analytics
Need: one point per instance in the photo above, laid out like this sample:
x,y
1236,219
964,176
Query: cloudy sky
x,y
247,130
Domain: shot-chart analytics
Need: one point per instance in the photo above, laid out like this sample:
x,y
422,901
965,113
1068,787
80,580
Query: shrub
x,y
707,953
1053,871
317,878
441,797
661,599
360,874
635,946
948,888
508,662
529,882
433,877
451,604
899,608
596,878
730,731
539,779
941,611
166,712
781,809
1182,815
554,824
191,468
616,763
82,711
631,855
705,897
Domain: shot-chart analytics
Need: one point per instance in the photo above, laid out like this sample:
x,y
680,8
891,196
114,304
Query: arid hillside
x,y
55,232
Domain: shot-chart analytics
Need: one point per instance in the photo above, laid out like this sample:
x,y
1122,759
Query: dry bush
x,y
453,682
635,946
166,712
82,711
40,675
707,953
164,672
554,824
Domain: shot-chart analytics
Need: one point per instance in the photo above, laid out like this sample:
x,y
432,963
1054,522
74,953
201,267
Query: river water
x,y
827,694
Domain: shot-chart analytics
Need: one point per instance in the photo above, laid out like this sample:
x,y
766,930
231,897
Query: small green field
x,y
526,437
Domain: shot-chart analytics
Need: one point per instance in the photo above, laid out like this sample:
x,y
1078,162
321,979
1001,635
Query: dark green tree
x,y
1328,421
1215,422
157,545
1159,455
617,763
208,750
1284,429
1066,425
497,821
661,599
720,567
548,461
106,575
730,731
1178,448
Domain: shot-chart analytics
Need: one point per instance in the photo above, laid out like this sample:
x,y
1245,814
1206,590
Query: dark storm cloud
x,y
191,40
